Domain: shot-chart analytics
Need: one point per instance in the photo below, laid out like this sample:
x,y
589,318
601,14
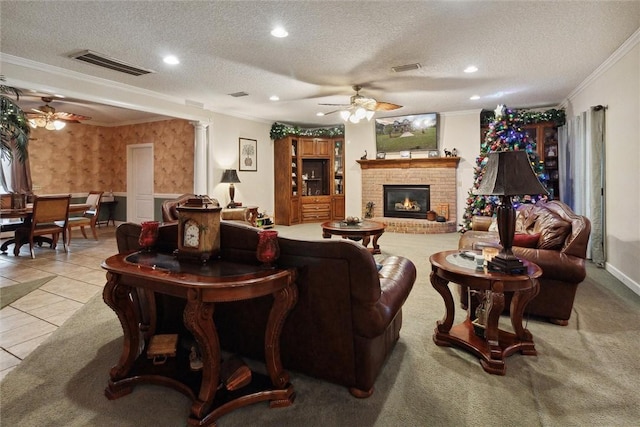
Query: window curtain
x,y
596,186
15,176
581,147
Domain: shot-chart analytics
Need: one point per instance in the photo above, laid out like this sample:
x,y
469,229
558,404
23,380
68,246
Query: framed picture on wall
x,y
248,155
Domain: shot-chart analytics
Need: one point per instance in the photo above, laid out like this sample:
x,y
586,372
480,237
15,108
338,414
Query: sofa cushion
x,y
552,228
526,240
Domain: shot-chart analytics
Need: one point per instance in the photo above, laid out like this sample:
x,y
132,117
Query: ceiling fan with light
x,y
361,107
46,117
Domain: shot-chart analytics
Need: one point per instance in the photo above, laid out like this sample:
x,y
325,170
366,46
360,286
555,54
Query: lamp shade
x,y
509,173
230,176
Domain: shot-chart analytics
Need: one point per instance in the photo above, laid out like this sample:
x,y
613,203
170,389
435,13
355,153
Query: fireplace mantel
x,y
433,162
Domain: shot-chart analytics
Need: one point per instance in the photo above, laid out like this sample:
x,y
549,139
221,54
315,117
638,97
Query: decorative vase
x,y
268,249
148,234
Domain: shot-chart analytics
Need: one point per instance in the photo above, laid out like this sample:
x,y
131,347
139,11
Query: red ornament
x,y
268,249
148,234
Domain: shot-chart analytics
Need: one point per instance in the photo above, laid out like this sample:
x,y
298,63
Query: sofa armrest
x,y
481,223
396,276
554,264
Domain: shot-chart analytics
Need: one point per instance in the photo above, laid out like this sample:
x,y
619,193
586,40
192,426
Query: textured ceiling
x,y
529,53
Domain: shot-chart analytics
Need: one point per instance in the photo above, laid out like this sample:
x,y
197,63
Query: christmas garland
x,y
280,130
529,117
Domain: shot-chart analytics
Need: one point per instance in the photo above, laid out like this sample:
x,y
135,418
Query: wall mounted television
x,y
415,132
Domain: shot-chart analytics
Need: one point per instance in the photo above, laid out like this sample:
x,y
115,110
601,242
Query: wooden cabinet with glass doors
x,y
546,136
309,179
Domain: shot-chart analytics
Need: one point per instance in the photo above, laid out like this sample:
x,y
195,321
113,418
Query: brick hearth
x,y
439,173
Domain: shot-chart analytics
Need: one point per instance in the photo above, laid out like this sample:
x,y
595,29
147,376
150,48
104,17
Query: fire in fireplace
x,y
406,201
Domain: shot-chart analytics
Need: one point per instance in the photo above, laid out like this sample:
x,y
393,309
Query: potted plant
x,y
14,126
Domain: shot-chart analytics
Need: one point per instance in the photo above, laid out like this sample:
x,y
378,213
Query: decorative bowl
x,y
352,220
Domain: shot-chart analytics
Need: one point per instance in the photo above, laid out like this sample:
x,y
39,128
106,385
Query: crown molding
x,y
625,48
24,72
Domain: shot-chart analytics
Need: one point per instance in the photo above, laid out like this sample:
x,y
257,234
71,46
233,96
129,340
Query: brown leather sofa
x,y
246,214
348,316
560,251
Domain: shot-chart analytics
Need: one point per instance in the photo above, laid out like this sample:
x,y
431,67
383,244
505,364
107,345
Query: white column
x,y
200,158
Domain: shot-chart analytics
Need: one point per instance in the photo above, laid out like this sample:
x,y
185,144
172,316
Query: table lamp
x,y
508,173
230,176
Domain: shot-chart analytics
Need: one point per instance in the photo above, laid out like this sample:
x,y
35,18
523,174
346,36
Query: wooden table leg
x,y
494,363
376,247
518,304
284,300
443,326
116,296
198,318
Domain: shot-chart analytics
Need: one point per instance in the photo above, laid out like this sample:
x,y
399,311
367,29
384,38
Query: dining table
x,y
25,213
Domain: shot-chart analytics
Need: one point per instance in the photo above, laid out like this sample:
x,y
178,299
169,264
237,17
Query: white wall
x,y
616,84
459,130
255,188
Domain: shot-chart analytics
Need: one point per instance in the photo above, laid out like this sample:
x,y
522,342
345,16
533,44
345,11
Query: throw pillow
x,y
553,230
525,240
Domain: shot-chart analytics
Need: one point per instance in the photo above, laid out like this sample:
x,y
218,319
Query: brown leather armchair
x,y
247,214
560,251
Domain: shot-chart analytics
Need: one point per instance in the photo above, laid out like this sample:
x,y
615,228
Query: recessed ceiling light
x,y
471,69
475,97
279,32
274,98
320,114
171,60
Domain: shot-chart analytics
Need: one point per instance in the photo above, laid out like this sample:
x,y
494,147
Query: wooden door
x,y
140,183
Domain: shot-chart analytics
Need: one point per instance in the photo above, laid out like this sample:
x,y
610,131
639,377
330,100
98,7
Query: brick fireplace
x,y
438,173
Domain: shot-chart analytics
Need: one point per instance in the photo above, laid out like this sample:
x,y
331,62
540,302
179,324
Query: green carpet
x,y
9,294
585,374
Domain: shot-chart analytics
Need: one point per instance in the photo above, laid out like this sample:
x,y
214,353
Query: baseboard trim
x,y
626,280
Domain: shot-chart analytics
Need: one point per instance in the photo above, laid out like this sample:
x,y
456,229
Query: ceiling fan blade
x,y
386,106
337,105
70,117
35,110
331,112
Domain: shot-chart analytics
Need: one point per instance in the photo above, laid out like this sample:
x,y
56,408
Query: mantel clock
x,y
198,229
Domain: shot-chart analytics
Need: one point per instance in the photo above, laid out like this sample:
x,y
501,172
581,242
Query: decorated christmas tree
x,y
505,133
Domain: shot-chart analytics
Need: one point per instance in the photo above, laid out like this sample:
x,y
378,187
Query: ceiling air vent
x,y
238,94
104,61
408,67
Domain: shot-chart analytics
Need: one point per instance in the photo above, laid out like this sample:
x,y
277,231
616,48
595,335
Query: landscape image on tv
x,y
417,132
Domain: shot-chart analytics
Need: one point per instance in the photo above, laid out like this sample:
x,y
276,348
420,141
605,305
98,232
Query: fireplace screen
x,y
406,201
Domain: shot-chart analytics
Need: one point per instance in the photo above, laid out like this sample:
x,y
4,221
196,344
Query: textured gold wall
x,y
80,158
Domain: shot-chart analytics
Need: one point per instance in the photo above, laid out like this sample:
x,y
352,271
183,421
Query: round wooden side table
x,y
492,345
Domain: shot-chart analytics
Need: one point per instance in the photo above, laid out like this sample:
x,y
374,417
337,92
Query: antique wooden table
x,y
134,281
363,230
496,344
26,214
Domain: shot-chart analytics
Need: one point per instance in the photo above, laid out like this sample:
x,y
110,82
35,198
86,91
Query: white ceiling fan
x,y
361,107
46,116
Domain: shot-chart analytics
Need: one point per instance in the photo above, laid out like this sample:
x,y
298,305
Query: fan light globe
x,y
345,115
360,113
58,124
49,126
354,119
370,115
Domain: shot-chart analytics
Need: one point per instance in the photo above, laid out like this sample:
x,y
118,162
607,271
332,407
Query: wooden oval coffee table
x,y
363,230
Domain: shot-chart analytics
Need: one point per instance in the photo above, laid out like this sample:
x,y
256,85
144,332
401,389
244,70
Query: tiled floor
x,y
27,322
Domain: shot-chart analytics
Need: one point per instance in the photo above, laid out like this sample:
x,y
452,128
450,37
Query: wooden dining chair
x,y
50,216
89,218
